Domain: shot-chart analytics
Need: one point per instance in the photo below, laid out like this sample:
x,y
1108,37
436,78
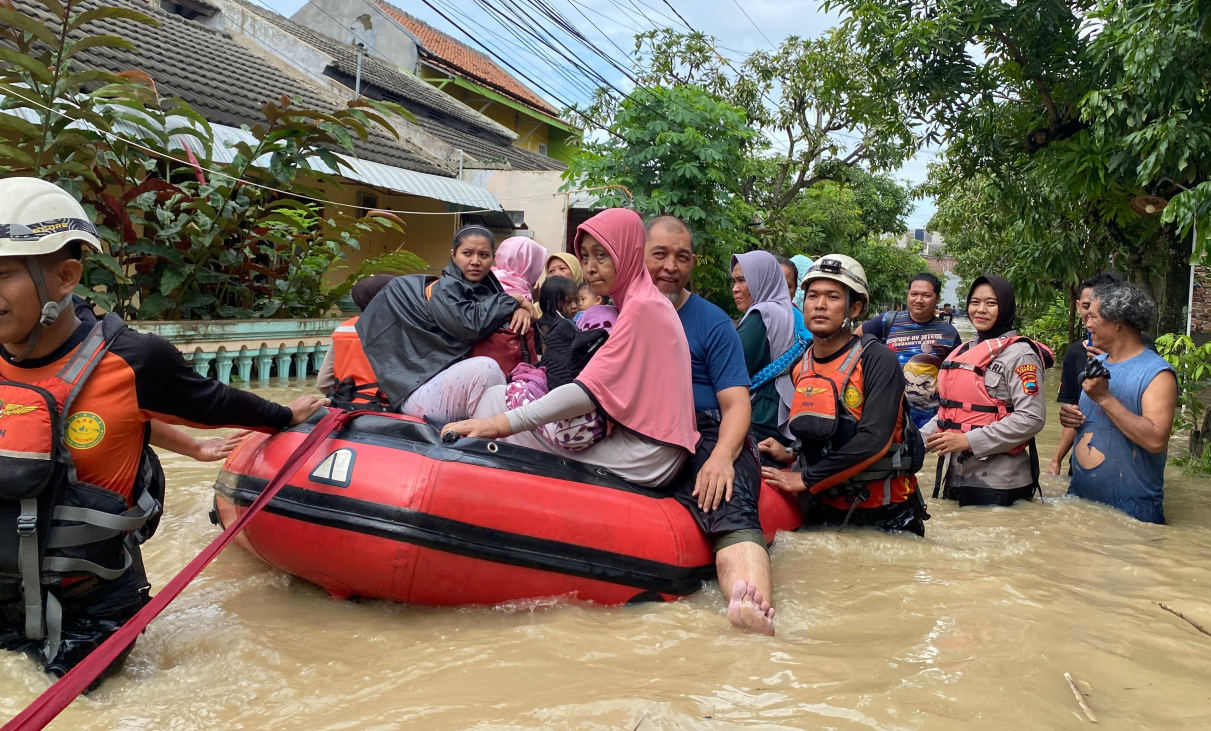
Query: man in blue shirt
x,y
723,477
921,340
1125,416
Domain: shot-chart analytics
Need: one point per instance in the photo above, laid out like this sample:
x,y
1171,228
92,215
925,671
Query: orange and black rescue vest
x,y
52,525
356,384
965,403
825,412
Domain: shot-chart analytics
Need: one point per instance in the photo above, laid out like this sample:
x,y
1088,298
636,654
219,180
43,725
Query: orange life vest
x,y
965,403
348,358
826,408
53,526
356,384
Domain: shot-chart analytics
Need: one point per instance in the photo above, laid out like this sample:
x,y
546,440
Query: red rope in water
x,y
60,695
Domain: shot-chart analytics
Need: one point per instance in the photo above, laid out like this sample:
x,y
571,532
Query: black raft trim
x,y
464,539
423,439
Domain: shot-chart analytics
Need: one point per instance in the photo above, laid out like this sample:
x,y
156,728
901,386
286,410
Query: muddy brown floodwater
x,y
974,626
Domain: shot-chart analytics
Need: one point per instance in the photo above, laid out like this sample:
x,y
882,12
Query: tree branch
x,y
1053,116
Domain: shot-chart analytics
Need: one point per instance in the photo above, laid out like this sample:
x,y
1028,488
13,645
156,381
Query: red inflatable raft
x,y
385,510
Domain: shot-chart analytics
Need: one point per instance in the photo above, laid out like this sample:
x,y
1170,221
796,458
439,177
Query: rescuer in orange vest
x,y
857,453
345,360
79,489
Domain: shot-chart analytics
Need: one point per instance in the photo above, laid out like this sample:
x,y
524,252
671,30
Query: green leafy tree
x,y
810,97
183,242
1056,114
802,166
682,152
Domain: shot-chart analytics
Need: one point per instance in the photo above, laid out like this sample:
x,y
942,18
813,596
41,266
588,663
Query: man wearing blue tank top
x,y
921,340
1125,414
722,480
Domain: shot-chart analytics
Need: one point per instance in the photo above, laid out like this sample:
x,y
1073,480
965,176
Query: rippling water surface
x,y
974,625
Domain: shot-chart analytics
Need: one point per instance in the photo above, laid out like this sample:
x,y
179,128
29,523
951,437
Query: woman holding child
x,y
639,379
418,331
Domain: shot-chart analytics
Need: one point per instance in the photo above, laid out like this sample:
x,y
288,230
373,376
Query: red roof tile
x,y
460,60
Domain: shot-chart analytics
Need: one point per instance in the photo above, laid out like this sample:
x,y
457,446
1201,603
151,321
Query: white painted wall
x,y
347,20
536,193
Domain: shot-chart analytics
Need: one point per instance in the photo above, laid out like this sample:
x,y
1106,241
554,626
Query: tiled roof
x,y
224,80
451,55
441,115
379,72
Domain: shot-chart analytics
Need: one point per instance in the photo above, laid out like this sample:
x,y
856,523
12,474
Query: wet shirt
x,y
716,355
1075,359
1106,465
412,332
141,377
1015,377
920,349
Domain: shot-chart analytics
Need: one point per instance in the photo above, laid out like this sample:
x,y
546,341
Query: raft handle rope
x,y
857,499
60,694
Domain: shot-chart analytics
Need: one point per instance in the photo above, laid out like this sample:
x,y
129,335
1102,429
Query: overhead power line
x,y
511,67
578,85
773,46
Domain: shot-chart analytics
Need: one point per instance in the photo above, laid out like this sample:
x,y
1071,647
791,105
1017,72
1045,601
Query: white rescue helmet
x,y
38,217
839,268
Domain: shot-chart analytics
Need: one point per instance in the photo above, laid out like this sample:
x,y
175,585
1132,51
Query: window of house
x,y
366,202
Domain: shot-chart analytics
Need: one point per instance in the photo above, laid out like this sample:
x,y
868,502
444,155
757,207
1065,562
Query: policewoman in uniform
x,y
857,452
990,392
79,488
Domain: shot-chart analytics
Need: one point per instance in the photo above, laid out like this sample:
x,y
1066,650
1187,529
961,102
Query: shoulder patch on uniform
x,y
1028,374
852,396
84,430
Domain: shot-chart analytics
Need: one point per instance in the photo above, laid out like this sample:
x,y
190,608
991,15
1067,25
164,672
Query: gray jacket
x,y
409,337
1009,378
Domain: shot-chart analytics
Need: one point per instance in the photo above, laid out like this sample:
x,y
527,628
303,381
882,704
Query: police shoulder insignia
x,y
1028,374
852,396
84,430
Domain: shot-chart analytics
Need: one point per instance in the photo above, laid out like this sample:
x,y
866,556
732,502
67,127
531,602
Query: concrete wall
x,y
289,52
427,236
296,57
347,20
536,193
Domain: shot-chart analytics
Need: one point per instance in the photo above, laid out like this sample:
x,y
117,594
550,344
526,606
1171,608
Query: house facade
x,y
525,174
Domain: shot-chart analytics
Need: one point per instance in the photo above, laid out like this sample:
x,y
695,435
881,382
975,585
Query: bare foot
x,y
749,611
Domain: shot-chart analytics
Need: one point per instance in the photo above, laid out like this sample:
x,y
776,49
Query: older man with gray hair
x,y
1125,414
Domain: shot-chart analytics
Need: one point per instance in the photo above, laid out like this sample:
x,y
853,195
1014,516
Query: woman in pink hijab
x,y
519,262
640,378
